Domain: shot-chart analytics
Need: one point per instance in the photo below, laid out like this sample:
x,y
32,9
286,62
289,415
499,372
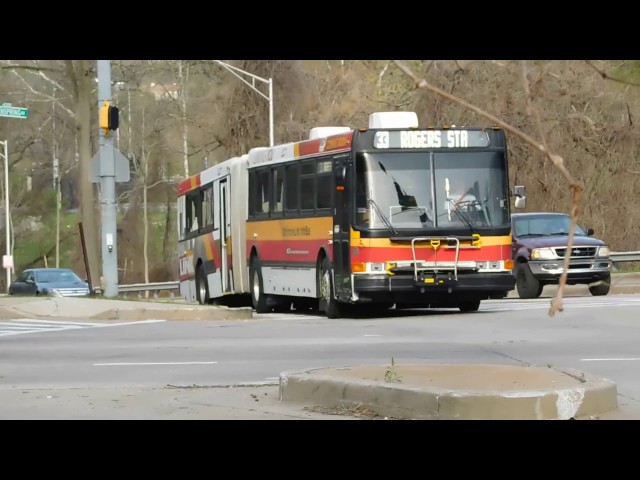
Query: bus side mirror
x,y
521,199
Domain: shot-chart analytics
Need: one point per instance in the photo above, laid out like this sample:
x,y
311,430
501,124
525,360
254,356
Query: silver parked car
x,y
58,282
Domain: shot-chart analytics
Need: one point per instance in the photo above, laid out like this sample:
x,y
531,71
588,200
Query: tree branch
x,y
606,76
71,113
557,161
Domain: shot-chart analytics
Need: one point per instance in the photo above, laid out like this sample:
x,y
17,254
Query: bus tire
x,y
202,288
258,297
332,307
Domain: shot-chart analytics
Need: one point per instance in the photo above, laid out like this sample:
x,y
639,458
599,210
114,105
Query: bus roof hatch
x,y
393,120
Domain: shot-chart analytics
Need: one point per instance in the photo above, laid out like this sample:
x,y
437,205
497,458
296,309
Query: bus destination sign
x,y
431,139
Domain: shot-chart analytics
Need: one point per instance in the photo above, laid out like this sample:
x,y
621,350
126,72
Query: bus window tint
x,y
194,212
325,198
278,180
207,207
264,191
291,188
307,186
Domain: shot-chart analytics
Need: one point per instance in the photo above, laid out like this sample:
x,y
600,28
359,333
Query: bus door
x,y
341,228
223,217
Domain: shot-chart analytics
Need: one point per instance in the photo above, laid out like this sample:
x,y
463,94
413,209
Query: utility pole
x,y
109,167
7,260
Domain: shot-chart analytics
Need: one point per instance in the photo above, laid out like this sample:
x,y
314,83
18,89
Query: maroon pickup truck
x,y
539,248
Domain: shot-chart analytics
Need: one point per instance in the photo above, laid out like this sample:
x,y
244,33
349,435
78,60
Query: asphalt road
x,y
229,369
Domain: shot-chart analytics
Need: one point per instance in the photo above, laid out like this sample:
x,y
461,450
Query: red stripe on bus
x,y
294,251
189,184
386,254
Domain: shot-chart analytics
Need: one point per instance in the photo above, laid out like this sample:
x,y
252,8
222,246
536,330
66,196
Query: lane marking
x,y
632,359
134,364
55,322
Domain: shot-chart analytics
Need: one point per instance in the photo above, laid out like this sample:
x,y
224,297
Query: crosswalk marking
x,y
30,325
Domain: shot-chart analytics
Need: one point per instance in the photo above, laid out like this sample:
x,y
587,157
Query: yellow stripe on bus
x,y
357,241
291,229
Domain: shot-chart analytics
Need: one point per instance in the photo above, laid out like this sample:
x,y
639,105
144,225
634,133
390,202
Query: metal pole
x,y
107,176
6,209
271,112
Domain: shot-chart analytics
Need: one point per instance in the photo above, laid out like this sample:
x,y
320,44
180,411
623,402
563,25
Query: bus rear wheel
x,y
202,288
258,297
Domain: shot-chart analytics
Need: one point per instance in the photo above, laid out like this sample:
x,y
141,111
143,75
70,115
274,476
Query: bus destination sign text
x,y
431,139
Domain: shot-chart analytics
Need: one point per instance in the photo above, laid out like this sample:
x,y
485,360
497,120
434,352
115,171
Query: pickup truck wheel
x,y
527,285
602,288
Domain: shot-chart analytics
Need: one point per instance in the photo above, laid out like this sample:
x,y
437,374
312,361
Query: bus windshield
x,y
448,190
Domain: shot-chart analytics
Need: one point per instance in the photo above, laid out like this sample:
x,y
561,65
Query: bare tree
x,y
74,82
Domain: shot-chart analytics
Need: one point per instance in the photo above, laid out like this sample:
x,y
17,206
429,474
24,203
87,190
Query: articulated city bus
x,y
354,221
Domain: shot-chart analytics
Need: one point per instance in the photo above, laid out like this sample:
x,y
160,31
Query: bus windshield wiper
x,y
382,216
462,216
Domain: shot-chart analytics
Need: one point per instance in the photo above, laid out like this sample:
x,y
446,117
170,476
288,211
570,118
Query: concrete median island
x,y
447,392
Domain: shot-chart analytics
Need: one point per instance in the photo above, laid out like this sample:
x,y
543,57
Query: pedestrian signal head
x,y
108,118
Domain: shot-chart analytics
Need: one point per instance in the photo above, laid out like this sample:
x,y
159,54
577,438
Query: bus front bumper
x,y
480,283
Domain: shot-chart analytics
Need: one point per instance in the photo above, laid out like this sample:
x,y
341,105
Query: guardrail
x,y
618,257
155,288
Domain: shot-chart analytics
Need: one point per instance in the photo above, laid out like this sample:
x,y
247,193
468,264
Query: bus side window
x,y
307,185
325,179
278,180
259,192
264,191
292,186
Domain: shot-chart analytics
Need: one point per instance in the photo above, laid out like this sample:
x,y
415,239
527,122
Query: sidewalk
x,y
108,309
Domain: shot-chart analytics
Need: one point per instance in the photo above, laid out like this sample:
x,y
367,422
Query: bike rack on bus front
x,y
435,244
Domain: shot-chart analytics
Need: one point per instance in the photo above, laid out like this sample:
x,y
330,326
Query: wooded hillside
x,y
177,117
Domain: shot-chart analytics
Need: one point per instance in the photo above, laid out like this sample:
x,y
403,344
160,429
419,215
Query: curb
x,y
426,396
218,313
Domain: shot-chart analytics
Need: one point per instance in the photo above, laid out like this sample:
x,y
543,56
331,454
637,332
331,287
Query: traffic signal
x,y
108,118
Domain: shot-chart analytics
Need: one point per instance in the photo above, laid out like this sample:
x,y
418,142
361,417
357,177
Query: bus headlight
x,y
542,254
